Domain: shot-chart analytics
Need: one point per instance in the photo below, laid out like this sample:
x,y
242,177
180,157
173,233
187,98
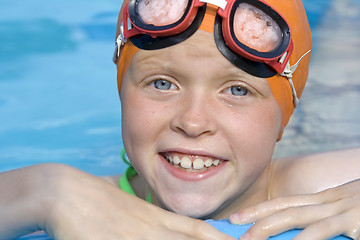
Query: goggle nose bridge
x,y
220,3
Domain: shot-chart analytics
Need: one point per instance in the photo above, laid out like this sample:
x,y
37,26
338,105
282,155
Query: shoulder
x,y
114,180
314,173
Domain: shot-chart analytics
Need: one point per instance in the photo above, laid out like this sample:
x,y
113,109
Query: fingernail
x,y
236,218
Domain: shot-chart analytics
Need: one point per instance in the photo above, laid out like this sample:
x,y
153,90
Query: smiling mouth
x,y
191,163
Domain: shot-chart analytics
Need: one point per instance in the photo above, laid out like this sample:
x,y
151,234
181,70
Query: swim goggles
x,y
249,33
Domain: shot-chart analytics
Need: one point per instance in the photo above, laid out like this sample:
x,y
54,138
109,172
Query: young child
x,y
206,91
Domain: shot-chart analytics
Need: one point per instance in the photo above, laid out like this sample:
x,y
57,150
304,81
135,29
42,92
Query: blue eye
x,y
239,91
162,84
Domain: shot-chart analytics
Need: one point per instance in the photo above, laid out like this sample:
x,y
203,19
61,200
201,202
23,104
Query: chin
x,y
193,207
195,213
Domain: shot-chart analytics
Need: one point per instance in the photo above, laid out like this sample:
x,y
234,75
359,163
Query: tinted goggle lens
x,y
255,29
161,12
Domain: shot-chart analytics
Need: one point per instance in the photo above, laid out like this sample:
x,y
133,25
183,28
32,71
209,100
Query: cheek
x,y
255,136
135,125
266,126
142,123
137,119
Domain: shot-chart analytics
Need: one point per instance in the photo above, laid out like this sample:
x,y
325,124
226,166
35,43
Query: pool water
x,y
58,95
328,117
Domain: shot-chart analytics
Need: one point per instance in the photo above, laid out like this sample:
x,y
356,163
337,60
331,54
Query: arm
x,y
319,193
315,173
22,209
70,204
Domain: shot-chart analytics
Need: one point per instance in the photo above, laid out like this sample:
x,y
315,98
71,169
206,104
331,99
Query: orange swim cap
x,y
283,89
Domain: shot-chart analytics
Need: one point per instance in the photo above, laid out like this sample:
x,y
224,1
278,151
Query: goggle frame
x,y
148,36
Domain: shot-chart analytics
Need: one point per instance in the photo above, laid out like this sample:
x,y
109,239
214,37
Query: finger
x,y
331,227
174,236
195,228
204,231
264,209
290,218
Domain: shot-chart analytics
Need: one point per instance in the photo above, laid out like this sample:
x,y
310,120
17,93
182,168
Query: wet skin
x,y
189,101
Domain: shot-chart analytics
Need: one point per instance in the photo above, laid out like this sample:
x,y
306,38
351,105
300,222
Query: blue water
x,y
58,96
328,117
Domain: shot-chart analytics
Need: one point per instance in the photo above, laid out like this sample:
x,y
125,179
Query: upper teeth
x,y
197,164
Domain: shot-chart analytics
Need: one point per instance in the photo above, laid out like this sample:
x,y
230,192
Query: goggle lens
x,y
255,29
161,12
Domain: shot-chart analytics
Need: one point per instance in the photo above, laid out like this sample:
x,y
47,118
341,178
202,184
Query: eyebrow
x,y
150,59
153,60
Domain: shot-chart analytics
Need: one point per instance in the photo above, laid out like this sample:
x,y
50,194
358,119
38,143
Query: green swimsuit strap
x,y
129,173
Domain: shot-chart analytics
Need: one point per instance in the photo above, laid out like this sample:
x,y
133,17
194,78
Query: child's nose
x,y
195,117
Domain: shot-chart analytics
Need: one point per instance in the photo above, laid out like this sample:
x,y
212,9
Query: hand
x,y
322,215
82,206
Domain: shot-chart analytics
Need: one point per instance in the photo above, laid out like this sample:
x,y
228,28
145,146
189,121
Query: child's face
x,y
188,102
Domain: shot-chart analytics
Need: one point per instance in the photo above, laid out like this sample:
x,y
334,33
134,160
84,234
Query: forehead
x,y
196,60
199,52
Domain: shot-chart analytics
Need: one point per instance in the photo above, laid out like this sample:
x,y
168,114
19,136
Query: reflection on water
x,y
34,37
58,96
329,114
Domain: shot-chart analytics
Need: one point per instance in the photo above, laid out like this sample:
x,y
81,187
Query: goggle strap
x,y
119,43
288,72
283,57
293,90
